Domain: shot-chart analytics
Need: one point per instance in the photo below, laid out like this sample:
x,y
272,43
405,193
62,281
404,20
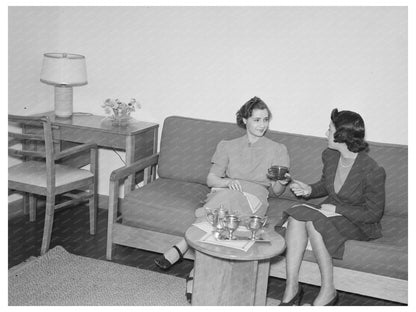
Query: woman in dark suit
x,y
355,186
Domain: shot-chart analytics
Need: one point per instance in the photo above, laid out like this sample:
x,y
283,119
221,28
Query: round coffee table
x,y
228,276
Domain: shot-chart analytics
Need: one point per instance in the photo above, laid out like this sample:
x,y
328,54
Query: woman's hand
x,y
286,180
300,188
234,185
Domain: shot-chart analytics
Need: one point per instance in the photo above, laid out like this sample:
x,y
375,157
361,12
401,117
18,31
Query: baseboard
x,y
16,206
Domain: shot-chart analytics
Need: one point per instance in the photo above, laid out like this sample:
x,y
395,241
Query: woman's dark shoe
x,y
295,300
164,263
188,294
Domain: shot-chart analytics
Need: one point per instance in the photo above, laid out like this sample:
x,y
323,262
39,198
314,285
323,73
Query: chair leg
x,y
32,207
93,209
47,229
93,203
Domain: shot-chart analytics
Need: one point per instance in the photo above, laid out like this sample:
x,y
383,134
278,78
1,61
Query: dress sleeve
x,y
374,193
220,160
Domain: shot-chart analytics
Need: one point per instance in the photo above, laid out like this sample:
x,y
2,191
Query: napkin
x,y
243,245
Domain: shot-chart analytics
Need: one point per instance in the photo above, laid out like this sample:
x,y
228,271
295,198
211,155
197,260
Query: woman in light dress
x,y
240,166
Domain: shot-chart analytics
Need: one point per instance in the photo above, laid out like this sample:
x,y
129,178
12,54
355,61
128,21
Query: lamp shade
x,y
64,69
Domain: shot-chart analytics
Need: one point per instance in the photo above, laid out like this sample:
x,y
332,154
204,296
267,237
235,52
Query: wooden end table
x,y
228,276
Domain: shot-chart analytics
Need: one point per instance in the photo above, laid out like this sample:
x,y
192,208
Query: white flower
x,y
118,108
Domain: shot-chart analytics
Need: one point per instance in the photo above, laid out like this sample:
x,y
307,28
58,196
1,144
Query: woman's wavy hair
x,y
247,110
349,129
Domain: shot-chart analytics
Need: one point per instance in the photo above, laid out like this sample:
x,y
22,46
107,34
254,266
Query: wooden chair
x,y
44,170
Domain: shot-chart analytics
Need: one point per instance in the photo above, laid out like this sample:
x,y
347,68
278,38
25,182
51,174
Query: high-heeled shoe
x,y
188,295
333,301
295,300
164,263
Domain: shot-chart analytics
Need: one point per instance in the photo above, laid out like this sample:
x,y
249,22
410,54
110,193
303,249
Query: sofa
x,y
156,215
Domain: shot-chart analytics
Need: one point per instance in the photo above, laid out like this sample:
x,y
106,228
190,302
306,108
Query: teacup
x,y
231,223
255,223
279,172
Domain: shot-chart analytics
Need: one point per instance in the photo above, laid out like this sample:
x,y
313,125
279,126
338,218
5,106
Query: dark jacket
x,y
361,199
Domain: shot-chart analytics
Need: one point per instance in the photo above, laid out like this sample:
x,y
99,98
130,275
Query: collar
x,y
249,144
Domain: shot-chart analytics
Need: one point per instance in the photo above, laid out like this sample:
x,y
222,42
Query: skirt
x,y
335,231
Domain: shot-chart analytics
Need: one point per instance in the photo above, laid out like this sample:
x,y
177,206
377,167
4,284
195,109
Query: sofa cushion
x,y
394,159
387,255
165,206
187,145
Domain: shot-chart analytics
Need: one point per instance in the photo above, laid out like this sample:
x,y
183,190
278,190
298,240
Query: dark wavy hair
x,y
247,110
349,129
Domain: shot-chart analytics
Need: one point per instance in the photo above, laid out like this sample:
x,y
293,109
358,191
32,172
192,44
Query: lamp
x,y
64,71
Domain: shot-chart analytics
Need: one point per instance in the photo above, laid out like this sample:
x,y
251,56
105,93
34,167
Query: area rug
x,y
60,278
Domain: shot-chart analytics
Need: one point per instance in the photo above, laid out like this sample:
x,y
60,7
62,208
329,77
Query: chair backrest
x,y
32,138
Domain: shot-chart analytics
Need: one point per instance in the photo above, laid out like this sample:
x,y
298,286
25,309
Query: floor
x,y
71,231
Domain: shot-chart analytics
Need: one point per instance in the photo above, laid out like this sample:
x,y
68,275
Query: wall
x,y
206,62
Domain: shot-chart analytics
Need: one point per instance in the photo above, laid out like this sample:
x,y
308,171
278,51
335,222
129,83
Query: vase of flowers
x,y
120,111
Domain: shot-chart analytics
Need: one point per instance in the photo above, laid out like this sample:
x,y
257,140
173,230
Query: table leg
x,y
130,148
138,147
25,198
225,282
262,282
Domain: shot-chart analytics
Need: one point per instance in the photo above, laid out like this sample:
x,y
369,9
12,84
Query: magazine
x,y
324,212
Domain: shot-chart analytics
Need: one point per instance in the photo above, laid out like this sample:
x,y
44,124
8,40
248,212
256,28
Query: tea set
x,y
225,224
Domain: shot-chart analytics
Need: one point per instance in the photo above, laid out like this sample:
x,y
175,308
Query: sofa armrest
x,y
139,165
115,178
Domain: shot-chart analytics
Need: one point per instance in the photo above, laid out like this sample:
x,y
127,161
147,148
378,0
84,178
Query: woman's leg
x,y
324,259
172,254
189,286
296,241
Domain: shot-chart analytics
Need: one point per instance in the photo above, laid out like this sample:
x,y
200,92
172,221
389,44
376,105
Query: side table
x,y
138,139
231,277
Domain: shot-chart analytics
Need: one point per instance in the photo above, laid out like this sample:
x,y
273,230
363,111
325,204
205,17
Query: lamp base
x,y
63,101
